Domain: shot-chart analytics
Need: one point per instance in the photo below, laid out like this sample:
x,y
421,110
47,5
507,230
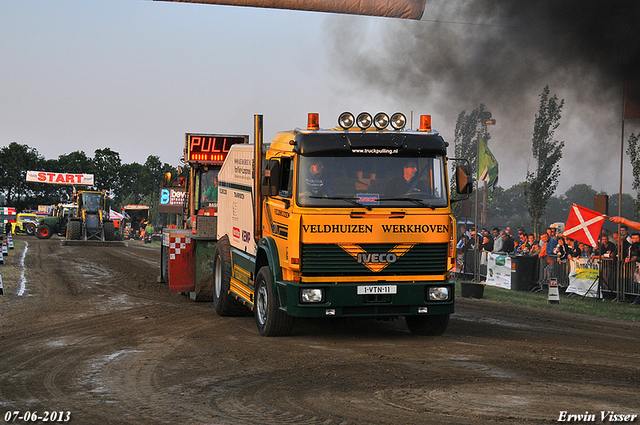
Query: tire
x,y
30,229
74,230
223,302
270,320
428,325
43,231
109,231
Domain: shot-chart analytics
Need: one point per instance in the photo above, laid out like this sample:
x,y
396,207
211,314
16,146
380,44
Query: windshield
x,y
377,181
209,189
91,202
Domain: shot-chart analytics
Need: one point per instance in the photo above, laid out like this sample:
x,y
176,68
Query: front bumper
x,y
343,300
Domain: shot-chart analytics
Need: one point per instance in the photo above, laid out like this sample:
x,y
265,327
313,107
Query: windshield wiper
x,y
416,201
337,198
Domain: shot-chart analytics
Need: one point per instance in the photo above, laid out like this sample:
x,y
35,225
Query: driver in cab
x,y
314,183
407,183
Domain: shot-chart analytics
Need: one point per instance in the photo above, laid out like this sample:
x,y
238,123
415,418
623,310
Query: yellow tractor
x,y
91,221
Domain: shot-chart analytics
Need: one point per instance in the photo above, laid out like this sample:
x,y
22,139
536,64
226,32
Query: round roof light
x,y
364,120
346,120
381,120
398,121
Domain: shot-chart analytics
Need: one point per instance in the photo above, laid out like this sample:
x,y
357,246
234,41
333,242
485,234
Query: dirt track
x,y
95,334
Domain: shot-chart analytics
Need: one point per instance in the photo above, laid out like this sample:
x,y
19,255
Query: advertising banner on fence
x,y
499,270
583,278
60,178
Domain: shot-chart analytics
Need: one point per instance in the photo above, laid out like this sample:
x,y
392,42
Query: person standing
x,y
497,240
507,243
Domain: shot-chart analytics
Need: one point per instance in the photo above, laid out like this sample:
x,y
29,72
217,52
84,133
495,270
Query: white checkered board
x,y
176,245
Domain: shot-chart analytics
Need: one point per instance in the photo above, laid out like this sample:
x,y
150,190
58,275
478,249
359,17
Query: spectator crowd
x,y
552,247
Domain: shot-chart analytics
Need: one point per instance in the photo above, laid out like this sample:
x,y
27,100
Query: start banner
x,y
60,178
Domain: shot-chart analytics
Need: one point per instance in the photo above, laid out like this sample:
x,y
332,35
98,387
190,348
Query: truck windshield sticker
x,y
368,198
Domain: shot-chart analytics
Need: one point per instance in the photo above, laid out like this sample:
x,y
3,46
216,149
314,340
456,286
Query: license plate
x,y
377,289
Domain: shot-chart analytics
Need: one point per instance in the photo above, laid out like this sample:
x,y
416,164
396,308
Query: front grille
x,y
332,260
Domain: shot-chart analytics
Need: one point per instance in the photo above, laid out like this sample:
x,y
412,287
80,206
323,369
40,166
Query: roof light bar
x,y
398,121
364,120
381,120
346,120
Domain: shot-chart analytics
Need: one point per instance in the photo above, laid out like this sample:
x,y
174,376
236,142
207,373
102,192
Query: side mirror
x,y
270,177
464,183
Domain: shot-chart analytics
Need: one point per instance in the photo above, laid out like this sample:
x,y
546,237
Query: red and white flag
x,y
584,225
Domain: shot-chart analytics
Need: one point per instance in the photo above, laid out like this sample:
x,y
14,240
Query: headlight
x,y
438,293
381,120
364,120
311,295
346,120
398,121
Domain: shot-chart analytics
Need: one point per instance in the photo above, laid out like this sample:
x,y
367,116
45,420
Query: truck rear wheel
x,y
74,231
428,325
271,321
223,302
43,231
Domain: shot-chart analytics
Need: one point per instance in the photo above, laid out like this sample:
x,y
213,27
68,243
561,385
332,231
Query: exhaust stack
x,y
257,178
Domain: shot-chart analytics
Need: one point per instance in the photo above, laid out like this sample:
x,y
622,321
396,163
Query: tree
x,y
16,160
634,155
542,183
107,164
466,143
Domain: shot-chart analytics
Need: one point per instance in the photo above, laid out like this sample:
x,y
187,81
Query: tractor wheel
x,y
223,302
43,231
74,230
109,231
30,229
271,321
428,325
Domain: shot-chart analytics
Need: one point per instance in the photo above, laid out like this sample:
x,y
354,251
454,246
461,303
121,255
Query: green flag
x,y
487,165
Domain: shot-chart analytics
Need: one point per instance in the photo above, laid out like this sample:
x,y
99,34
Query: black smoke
x,y
502,53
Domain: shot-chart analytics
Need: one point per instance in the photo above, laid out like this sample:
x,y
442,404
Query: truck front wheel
x,y
223,302
43,231
428,325
271,321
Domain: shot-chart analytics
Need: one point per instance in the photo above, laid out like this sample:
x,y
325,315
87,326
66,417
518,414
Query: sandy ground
x,y
94,334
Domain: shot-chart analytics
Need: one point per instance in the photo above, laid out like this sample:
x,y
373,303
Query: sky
x,y
136,75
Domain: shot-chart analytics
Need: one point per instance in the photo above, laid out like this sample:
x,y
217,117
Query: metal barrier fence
x,y
619,279
612,283
549,267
